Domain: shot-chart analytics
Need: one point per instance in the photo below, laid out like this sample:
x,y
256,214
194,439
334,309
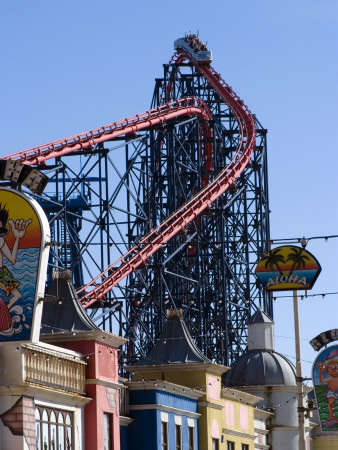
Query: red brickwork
x,y
20,419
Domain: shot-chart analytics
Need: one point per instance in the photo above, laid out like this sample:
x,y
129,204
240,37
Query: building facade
x,y
61,392
226,416
164,415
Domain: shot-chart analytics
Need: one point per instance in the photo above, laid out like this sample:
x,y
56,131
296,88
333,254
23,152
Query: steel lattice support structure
x,y
207,270
103,199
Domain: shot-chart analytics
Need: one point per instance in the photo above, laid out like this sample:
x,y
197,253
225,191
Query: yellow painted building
x,y
226,415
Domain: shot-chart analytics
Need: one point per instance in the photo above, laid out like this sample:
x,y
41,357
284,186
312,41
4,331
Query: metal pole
x,y
299,379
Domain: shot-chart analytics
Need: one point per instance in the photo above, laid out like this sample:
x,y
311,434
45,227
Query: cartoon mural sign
x,y
325,382
287,268
24,231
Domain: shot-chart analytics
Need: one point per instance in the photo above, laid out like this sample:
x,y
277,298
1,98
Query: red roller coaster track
x,y
139,254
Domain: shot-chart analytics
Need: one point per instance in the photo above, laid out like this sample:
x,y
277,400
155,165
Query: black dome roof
x,y
261,368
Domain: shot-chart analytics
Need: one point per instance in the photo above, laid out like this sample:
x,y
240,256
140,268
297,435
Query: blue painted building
x,y
164,416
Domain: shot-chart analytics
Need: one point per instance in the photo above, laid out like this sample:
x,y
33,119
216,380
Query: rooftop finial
x,y
174,314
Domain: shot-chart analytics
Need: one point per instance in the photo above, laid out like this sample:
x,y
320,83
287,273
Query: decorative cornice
x,y
275,388
54,350
262,446
211,405
238,433
164,386
261,431
125,421
182,367
262,414
330,437
42,393
268,389
240,396
106,383
170,409
94,335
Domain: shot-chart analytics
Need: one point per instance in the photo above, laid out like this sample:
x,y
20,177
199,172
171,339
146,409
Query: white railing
x,y
54,370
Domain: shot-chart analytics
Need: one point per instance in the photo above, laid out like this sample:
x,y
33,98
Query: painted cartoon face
x,y
3,231
332,369
3,234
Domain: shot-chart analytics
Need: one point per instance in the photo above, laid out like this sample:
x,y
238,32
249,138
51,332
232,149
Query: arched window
x,y
54,429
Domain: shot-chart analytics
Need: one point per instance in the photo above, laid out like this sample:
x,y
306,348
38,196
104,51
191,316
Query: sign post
x,y
291,268
299,378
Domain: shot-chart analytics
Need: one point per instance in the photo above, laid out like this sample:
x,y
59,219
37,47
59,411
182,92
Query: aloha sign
x,y
287,268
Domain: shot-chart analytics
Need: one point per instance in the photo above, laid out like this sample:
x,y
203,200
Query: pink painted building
x,y
61,392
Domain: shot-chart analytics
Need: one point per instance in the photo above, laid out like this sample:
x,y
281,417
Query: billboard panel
x,y
325,382
287,268
24,232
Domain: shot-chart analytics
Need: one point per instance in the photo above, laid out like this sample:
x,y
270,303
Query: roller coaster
x,y
165,209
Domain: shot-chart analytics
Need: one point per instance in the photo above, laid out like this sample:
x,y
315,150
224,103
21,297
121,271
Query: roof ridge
x,y
175,345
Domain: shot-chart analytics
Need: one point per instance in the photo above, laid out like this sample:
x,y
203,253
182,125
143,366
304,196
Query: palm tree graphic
x,y
298,257
274,259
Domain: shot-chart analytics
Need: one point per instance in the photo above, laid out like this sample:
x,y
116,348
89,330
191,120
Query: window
x,y
230,445
215,444
107,431
165,439
178,437
54,429
191,438
245,447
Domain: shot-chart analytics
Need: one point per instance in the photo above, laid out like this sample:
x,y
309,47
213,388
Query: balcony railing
x,y
124,401
54,370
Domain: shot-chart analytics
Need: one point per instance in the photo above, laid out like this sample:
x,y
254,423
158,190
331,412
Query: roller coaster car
x,y
196,49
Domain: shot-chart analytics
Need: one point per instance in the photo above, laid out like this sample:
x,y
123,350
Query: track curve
x,y
42,153
191,106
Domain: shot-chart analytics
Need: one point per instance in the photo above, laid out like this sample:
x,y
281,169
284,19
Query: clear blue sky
x,y
70,66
